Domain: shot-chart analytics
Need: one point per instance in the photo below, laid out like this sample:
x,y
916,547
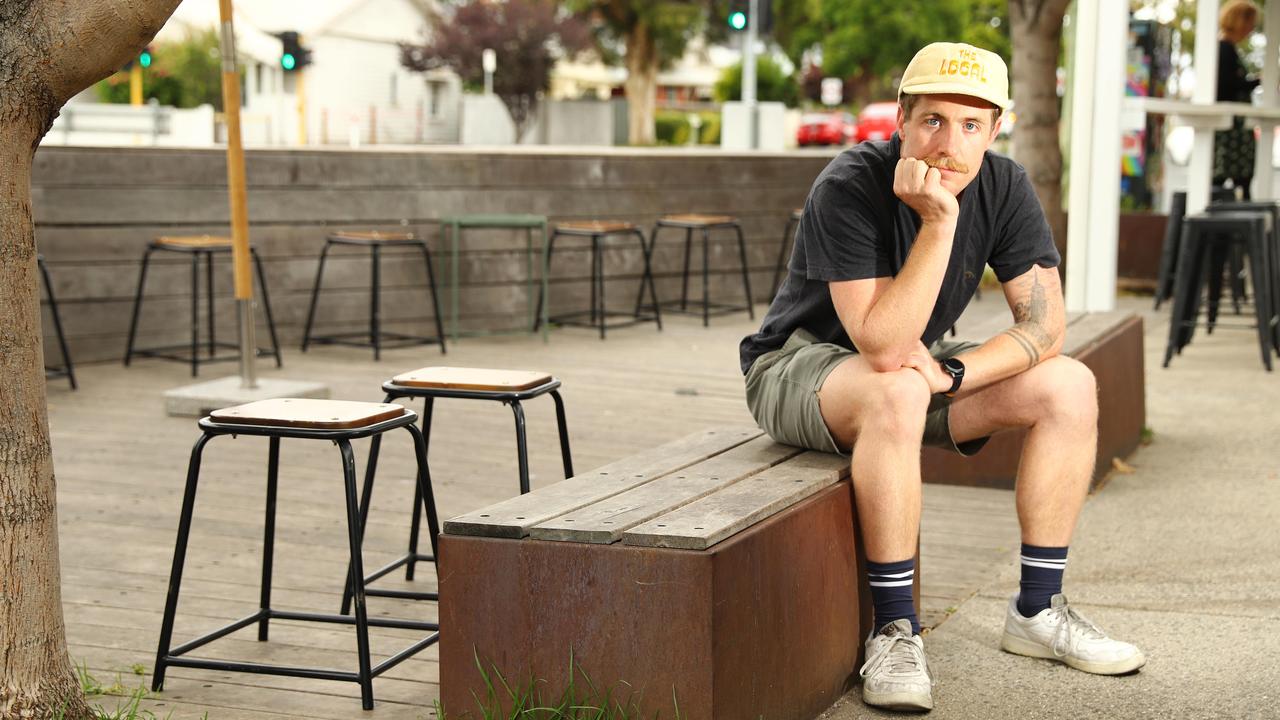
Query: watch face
x,y
953,366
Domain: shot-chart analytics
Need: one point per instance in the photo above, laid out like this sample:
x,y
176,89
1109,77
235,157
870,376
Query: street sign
x,y
832,91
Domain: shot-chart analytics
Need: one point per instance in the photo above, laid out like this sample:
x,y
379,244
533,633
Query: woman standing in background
x,y
1234,149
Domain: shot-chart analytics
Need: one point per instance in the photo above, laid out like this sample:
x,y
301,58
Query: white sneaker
x,y
1060,633
896,674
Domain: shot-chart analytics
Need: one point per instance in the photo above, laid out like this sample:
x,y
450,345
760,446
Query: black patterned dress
x,y
1234,149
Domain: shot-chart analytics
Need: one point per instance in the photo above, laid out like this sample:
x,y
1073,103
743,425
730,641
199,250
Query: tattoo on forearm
x,y
1031,315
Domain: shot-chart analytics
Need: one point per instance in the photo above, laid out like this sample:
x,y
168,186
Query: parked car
x,y
836,128
877,121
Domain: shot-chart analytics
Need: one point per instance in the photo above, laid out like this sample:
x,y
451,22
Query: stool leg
x,y
366,497
648,278
599,273
137,306
706,277
1217,266
424,489
595,258
1183,284
269,535
565,456
357,570
684,285
179,560
522,450
195,314
1238,292
375,327
551,244
266,306
57,323
746,274
1261,296
435,300
415,524
208,292
1199,279
315,295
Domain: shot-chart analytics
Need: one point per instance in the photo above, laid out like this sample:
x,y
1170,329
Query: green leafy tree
x,y
648,35
773,84
185,74
528,37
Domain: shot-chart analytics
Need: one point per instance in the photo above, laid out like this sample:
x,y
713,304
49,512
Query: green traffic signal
x,y
738,20
145,59
288,61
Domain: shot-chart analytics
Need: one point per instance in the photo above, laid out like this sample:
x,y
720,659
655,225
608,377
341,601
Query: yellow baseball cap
x,y
944,67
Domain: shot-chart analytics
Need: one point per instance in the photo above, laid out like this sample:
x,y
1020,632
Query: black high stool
x,y
510,387
1232,261
705,223
66,369
334,421
787,238
598,314
1203,235
375,242
199,247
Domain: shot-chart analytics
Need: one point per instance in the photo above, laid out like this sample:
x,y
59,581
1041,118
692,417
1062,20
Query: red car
x,y
877,121
836,128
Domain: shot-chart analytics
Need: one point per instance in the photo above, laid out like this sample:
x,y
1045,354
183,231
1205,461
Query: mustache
x,y
943,162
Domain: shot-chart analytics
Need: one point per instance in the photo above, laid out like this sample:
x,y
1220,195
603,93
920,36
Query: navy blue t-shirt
x,y
854,227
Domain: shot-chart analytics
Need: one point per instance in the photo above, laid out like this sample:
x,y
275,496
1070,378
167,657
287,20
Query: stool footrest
x,y
572,319
419,557
346,339
173,352
695,308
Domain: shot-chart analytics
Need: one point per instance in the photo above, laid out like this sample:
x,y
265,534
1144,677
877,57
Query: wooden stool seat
x,y
594,227
372,236
309,413
480,379
697,220
193,241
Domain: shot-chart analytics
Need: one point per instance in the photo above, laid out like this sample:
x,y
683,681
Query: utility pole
x,y
749,73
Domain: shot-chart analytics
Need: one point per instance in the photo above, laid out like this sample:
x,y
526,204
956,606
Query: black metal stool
x,y
1232,261
1202,235
705,223
198,247
66,369
787,240
375,241
1169,249
334,421
598,314
510,387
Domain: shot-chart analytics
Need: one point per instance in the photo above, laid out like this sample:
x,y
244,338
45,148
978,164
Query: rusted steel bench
x,y
1110,344
722,568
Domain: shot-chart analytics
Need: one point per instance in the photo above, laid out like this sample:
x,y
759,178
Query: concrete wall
x,y
96,208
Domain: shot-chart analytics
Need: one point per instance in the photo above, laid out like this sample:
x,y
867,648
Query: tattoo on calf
x,y
1031,314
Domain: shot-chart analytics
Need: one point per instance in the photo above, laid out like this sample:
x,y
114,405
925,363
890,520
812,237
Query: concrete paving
x,y
1179,557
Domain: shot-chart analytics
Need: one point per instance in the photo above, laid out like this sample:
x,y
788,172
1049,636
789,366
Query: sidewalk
x,y
1178,557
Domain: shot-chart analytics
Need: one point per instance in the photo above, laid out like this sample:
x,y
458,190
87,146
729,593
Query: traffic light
x,y
739,14
144,58
293,56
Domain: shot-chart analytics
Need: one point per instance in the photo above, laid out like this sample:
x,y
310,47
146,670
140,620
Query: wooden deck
x,y
120,465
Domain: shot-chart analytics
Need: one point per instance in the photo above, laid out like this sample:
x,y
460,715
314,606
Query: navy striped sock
x,y
891,585
1042,569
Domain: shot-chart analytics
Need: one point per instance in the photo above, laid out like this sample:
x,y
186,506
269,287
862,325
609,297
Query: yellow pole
x,y
239,198
135,83
302,104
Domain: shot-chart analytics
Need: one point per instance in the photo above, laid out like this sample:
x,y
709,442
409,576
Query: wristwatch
x,y
955,369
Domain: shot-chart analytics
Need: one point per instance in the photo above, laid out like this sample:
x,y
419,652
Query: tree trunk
x,y
1036,31
49,50
641,85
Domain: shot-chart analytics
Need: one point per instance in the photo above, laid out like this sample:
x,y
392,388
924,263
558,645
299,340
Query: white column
x,y
1263,173
1200,173
1101,27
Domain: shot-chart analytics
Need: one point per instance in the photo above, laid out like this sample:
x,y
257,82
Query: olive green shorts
x,y
782,393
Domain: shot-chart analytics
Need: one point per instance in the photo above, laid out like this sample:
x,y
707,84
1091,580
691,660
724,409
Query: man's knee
x,y
896,404
1067,391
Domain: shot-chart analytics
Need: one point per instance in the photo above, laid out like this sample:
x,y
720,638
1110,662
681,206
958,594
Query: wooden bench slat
x,y
705,522
514,517
1091,329
605,522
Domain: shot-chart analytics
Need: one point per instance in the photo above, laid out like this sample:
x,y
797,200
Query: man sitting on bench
x,y
850,357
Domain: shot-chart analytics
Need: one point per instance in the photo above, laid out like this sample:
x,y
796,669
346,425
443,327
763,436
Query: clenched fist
x,y
920,187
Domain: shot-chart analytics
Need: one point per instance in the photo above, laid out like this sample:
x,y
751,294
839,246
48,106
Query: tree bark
x,y
641,85
1036,31
49,50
